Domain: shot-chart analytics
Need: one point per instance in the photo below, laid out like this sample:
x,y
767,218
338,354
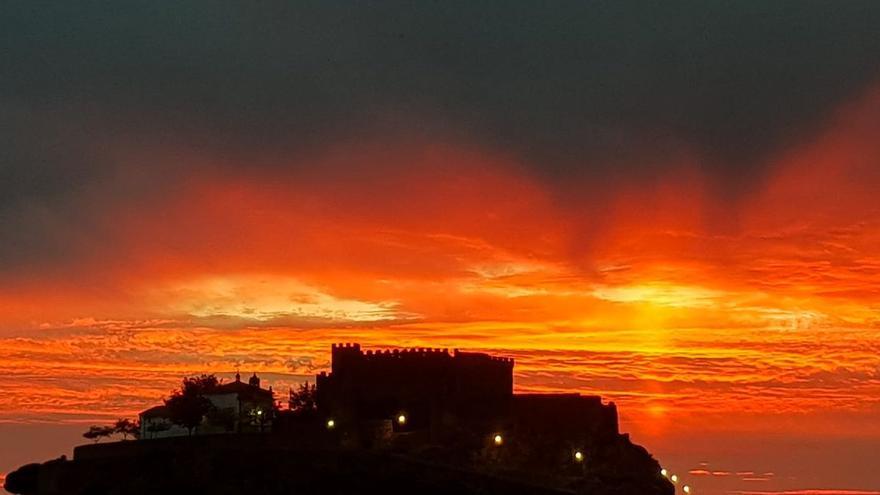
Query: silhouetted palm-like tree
x,y
126,428
96,433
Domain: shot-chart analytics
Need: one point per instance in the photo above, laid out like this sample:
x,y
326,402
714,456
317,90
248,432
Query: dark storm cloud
x,y
581,90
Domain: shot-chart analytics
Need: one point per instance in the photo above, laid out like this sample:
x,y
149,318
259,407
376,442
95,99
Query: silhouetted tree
x,y
199,385
126,427
96,433
303,400
187,406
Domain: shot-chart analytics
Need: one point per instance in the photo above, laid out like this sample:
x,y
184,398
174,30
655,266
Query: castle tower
x,y
254,381
345,357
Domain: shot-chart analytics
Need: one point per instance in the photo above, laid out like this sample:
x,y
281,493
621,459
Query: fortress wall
x,y
583,419
426,383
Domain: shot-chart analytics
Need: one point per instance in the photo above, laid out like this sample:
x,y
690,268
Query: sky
x,y
672,205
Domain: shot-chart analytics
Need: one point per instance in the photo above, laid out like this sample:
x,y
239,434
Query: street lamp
x,y
401,419
664,472
674,478
686,489
330,424
498,439
578,456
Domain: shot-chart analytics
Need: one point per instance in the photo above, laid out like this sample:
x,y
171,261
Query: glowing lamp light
x,y
498,439
578,456
686,489
259,412
402,419
330,424
664,472
674,478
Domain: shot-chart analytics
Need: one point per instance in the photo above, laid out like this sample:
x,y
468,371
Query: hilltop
x,y
237,464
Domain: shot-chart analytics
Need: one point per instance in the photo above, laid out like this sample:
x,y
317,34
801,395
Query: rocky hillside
x,y
241,464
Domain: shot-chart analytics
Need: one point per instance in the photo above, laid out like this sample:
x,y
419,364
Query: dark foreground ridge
x,y
249,463
407,421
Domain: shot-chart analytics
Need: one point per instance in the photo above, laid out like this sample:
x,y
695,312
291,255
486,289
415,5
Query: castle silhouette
x,y
438,393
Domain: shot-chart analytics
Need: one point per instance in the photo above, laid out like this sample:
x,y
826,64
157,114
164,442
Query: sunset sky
x,y
673,205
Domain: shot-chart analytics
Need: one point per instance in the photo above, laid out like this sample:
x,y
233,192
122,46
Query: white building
x,y
238,407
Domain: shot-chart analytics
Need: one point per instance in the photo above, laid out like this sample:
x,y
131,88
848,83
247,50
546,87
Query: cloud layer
x,y
673,206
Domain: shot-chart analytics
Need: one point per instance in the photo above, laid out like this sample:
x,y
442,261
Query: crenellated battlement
x,y
354,349
347,345
481,356
407,352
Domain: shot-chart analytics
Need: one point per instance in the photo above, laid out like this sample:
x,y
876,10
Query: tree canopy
x,y
188,405
126,428
96,433
303,400
198,385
